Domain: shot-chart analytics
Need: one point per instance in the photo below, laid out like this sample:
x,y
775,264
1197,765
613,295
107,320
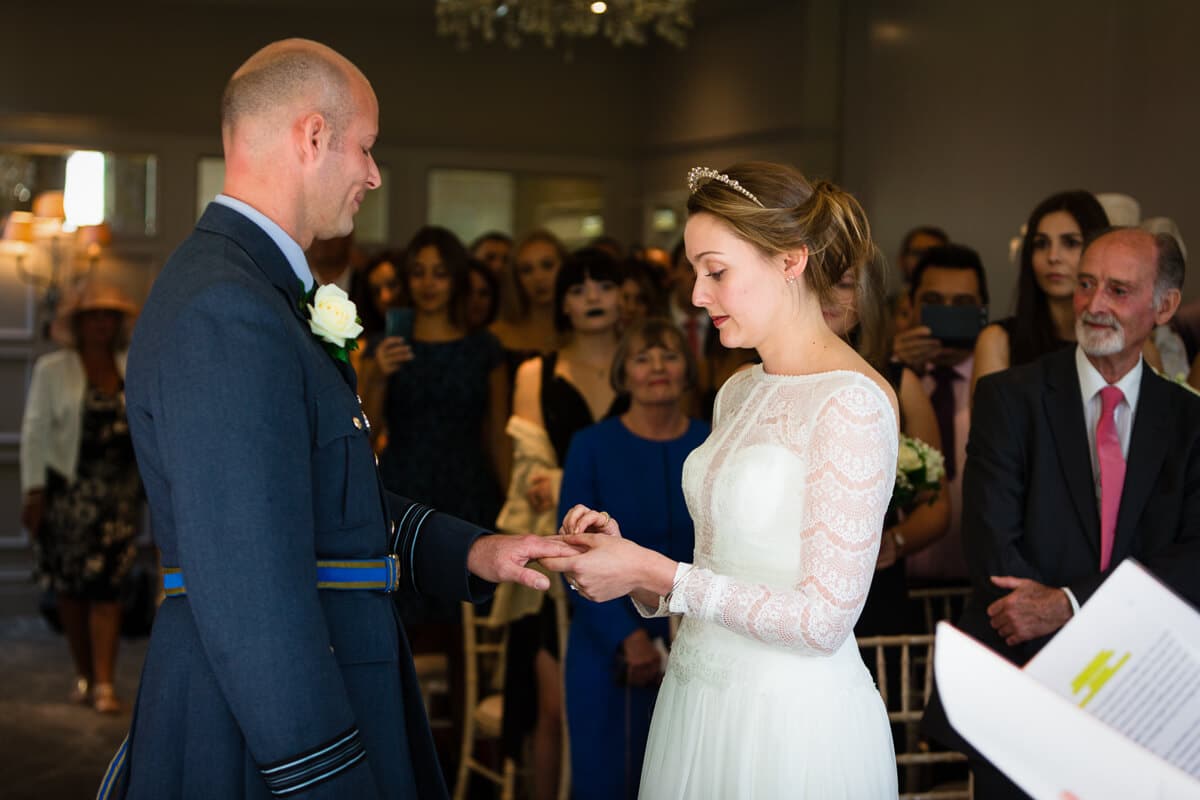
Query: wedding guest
x,y
693,321
640,294
950,275
446,394
483,297
856,312
915,244
1077,461
1044,320
526,324
766,694
378,291
82,496
492,248
559,393
631,465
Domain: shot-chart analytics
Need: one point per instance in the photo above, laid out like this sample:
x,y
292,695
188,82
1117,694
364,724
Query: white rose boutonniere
x,y
333,319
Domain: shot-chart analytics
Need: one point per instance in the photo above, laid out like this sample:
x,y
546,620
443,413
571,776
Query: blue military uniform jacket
x,y
255,456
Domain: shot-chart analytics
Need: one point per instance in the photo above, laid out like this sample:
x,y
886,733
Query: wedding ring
x,y
606,518
571,583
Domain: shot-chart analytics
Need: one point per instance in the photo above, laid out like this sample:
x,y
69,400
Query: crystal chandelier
x,y
622,21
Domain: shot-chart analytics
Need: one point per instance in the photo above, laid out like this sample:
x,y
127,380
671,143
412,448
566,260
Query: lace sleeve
x,y
851,467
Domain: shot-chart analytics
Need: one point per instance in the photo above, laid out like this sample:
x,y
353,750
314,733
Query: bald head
x,y
288,78
1159,252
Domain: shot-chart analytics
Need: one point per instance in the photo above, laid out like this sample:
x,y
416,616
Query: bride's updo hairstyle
x,y
774,208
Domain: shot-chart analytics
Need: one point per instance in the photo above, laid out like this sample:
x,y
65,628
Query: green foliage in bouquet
x,y
919,471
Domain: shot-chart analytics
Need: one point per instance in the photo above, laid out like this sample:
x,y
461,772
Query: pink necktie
x,y
1112,470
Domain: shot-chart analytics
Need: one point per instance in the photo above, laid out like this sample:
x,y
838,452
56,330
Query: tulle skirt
x,y
736,718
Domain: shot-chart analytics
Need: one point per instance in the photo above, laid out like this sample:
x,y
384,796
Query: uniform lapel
x,y
1063,404
1147,449
265,254
272,263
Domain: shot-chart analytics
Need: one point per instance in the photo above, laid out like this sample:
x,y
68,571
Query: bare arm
x,y
928,522
992,354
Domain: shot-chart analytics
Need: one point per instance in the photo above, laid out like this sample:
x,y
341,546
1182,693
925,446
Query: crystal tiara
x,y
698,176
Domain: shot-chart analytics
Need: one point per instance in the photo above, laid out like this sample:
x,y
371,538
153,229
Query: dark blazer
x,y
1030,508
255,455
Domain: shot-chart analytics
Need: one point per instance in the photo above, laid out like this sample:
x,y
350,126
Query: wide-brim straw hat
x,y
92,295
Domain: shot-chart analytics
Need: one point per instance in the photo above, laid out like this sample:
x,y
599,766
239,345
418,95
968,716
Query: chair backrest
x,y
940,603
906,697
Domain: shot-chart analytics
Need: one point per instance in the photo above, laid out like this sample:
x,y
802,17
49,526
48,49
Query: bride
x,y
766,695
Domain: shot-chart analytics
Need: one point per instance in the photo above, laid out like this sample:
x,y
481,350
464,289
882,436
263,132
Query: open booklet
x,y
1110,708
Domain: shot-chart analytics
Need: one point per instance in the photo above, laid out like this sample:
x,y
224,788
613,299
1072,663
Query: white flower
x,y
907,458
333,317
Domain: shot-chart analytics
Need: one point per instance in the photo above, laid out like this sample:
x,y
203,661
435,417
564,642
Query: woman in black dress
x,y
82,491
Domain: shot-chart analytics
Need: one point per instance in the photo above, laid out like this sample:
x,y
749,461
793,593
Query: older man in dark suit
x,y
276,666
1078,461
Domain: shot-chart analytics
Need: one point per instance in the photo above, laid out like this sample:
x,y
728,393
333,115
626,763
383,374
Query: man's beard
x,y
1103,342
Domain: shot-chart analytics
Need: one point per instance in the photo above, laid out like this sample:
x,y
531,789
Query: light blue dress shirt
x,y
290,247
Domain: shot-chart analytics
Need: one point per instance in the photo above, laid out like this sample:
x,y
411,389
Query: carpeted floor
x,y
51,747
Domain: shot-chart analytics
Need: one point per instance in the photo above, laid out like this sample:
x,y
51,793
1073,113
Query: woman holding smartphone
x,y
446,394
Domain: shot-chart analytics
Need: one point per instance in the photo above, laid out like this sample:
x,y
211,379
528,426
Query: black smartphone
x,y
399,323
954,326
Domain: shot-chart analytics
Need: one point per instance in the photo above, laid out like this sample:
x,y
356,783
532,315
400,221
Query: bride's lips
x,y
719,321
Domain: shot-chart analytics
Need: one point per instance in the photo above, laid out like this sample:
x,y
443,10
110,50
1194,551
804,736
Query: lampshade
x,y
19,227
49,204
90,238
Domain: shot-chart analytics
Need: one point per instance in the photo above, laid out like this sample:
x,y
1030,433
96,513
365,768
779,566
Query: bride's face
x,y
740,288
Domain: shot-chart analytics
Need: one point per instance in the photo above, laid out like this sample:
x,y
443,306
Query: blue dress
x,y
639,482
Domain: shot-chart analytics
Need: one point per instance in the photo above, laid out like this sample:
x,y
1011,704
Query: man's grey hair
x,y
1170,265
285,78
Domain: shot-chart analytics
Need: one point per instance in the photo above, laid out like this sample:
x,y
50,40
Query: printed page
x,y
1131,658
1043,742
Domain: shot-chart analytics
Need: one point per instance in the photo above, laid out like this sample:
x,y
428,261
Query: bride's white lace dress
x,y
766,695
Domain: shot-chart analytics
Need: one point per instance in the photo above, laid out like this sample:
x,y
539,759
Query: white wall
x,y
966,115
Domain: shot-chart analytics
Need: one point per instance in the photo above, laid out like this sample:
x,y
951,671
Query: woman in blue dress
x,y
631,465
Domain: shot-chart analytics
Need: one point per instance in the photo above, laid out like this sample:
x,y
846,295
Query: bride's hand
x,y
612,567
581,519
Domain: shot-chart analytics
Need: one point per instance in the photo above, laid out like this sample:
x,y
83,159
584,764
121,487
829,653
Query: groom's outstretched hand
x,y
499,558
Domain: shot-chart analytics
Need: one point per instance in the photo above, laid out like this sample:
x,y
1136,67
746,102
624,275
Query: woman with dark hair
x,y
446,396
1045,317
483,297
641,296
631,465
82,491
555,395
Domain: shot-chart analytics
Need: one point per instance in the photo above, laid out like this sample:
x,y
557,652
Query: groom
x,y
276,665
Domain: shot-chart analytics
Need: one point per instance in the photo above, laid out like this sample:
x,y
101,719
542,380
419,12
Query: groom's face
x,y
349,169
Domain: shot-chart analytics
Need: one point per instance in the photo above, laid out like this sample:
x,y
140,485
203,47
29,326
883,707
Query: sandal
x,y
104,699
82,693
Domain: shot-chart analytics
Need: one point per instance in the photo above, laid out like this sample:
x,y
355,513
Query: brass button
x,y
358,423
359,396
